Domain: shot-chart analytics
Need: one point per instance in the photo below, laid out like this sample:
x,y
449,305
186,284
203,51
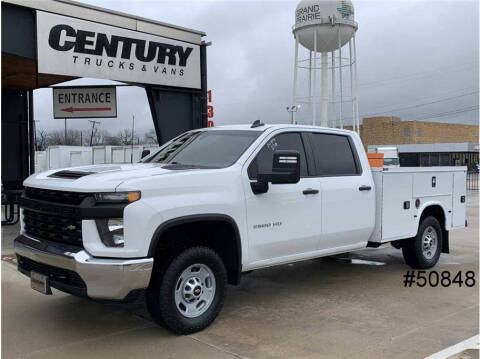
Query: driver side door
x,y
284,223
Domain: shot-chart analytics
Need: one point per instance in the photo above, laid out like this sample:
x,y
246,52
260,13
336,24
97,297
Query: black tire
x,y
161,293
413,252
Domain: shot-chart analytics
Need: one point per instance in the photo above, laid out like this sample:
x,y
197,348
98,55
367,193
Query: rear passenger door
x,y
348,196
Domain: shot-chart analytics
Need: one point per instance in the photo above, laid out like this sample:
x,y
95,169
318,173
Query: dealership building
x,y
52,41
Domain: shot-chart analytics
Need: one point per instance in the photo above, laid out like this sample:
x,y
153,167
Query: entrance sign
x,y
80,48
84,102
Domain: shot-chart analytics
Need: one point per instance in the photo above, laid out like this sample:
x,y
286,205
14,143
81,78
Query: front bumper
x,y
99,278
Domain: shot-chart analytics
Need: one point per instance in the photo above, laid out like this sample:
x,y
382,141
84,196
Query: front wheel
x,y
423,251
191,292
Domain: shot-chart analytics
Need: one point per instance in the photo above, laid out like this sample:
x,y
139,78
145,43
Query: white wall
x,y
70,156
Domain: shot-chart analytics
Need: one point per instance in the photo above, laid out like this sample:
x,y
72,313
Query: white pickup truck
x,y
213,203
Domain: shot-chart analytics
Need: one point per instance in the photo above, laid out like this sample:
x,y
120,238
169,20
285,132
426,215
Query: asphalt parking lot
x,y
326,308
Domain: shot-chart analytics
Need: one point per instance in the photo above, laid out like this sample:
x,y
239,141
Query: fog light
x,y
111,231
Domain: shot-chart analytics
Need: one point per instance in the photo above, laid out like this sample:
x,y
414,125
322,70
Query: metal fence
x,y
472,181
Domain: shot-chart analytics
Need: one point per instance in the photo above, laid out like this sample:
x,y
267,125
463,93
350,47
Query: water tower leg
x,y
310,85
294,95
334,120
356,88
314,114
340,77
352,91
323,118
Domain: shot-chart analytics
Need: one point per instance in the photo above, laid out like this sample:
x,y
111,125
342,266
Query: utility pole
x,y
93,128
133,131
35,133
65,130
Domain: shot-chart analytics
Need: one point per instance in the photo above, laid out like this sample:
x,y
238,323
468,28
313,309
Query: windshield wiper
x,y
180,166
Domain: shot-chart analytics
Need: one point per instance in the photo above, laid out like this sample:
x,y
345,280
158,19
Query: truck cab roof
x,y
273,127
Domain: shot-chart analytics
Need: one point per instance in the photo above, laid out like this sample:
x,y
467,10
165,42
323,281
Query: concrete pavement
x,y
316,309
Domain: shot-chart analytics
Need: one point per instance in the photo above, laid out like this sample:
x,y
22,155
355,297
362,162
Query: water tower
x,y
323,27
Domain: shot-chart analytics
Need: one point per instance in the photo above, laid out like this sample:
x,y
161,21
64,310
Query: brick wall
x,y
393,131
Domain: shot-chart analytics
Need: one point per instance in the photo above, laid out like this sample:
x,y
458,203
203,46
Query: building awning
x,y
431,147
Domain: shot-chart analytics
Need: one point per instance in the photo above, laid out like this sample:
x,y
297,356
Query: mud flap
x,y
445,241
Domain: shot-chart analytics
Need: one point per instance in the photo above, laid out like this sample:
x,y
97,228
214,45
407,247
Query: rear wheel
x,y
190,293
424,250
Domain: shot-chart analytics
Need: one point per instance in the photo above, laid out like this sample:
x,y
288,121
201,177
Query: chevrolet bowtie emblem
x,y
71,227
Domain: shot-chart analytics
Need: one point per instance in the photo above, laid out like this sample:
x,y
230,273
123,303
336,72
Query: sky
x,y
415,59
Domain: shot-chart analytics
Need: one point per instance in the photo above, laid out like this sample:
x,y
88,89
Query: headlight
x,y
111,231
118,197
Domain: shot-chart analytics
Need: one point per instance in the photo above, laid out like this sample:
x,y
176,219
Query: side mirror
x,y
145,153
285,169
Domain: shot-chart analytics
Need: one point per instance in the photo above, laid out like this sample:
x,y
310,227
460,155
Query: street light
x,y
293,110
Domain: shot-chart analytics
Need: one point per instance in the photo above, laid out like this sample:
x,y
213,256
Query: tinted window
x,y
286,141
206,149
333,155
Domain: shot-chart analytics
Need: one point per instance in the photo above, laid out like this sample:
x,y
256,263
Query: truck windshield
x,y
206,149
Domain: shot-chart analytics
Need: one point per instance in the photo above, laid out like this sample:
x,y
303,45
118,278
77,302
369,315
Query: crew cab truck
x,y
213,203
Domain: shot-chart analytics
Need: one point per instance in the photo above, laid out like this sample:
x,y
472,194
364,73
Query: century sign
x,y
84,102
79,48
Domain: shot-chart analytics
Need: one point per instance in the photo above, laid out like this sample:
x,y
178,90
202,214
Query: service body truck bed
x,y
402,194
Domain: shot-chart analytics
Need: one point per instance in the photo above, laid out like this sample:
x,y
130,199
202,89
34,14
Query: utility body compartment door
x,y
459,206
434,183
397,221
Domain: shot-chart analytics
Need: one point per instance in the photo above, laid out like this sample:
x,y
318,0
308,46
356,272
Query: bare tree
x,y
79,138
73,137
112,141
41,140
56,138
150,137
125,137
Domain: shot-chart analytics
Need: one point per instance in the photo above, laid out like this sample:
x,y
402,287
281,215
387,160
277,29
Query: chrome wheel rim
x,y
195,290
429,242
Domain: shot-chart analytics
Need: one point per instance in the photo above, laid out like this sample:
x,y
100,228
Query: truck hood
x,y
97,178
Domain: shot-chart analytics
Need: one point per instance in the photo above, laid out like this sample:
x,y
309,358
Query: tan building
x,y
393,131
421,143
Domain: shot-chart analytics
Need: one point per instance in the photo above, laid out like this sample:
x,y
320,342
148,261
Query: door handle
x,y
364,188
310,191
